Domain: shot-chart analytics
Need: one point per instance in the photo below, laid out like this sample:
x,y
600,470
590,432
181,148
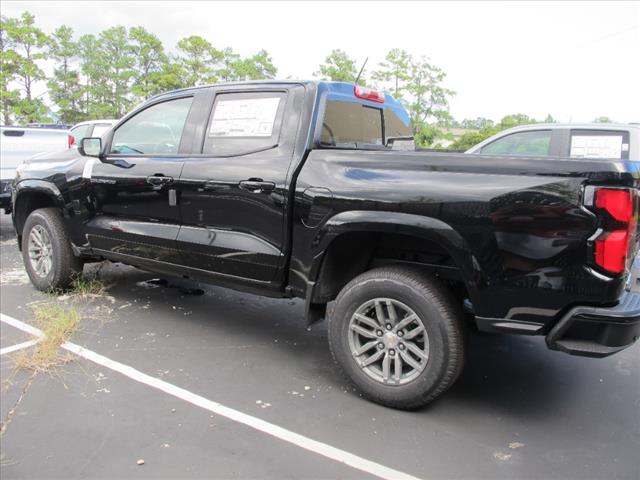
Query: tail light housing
x,y
71,140
615,246
368,94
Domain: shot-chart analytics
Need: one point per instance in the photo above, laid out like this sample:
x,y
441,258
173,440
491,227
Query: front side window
x,y
535,143
351,124
155,130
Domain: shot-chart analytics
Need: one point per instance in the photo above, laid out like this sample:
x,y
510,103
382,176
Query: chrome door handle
x,y
257,185
157,180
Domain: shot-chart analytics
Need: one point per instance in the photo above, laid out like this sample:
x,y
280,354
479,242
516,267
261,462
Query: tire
x,y
440,345
64,265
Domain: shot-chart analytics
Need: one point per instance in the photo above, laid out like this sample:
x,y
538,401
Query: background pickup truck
x,y
18,144
294,189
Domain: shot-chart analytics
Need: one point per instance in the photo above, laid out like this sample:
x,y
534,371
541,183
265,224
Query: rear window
x,y
351,124
599,144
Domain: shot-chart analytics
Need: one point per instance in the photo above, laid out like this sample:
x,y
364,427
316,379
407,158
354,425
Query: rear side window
x,y
244,122
599,144
351,124
536,143
156,130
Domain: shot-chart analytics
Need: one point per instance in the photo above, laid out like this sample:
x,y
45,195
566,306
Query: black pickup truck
x,y
308,189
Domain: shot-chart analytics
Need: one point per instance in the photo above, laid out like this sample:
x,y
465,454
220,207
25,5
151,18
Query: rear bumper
x,y
597,331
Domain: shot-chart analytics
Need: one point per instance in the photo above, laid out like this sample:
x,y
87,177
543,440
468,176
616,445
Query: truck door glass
x,y
244,122
535,143
155,130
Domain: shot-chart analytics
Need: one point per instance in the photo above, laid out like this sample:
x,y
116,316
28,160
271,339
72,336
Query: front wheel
x,y
397,334
46,251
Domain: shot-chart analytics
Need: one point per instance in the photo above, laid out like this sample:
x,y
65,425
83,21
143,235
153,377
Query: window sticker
x,y
246,117
596,146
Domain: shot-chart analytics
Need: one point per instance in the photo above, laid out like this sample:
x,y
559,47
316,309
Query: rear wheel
x,y
397,334
46,251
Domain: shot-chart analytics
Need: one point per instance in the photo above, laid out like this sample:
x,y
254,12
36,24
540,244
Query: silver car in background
x,y
576,140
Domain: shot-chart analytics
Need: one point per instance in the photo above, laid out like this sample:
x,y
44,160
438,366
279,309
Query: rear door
x,y
134,196
233,194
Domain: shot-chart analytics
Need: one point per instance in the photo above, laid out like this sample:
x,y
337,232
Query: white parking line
x,y
19,346
296,439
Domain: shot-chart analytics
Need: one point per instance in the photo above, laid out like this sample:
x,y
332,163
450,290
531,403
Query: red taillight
x,y
615,246
72,140
611,251
368,94
618,203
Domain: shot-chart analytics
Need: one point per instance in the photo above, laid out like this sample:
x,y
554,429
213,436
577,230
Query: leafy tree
x,y
549,119
198,58
394,72
514,120
149,61
256,67
228,71
94,88
170,77
479,123
65,89
119,63
8,68
339,67
429,99
27,44
603,120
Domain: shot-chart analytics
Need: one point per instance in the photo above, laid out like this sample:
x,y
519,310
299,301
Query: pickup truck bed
x,y
293,189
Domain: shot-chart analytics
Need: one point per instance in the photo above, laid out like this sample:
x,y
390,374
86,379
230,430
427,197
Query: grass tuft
x,y
58,324
86,285
83,286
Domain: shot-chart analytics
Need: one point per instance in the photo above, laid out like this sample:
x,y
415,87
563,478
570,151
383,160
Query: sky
x,y
573,60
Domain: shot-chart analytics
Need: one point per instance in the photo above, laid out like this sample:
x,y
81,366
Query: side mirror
x,y
90,147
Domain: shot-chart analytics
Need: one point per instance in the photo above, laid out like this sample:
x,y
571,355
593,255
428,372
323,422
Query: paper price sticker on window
x,y
251,117
596,146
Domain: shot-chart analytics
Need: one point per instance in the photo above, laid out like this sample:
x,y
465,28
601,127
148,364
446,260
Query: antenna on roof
x,y
361,70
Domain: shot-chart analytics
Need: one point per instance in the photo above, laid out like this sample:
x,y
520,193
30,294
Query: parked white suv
x,y
584,140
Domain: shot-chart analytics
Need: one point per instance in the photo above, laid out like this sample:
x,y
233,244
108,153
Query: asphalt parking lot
x,y
199,381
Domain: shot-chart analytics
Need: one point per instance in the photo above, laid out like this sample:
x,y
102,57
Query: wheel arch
x,y
351,242
31,195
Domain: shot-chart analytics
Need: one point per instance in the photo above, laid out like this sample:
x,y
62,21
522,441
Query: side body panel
x,y
515,226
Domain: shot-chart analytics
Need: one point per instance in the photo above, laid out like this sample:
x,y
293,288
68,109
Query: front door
x,y
233,195
133,192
